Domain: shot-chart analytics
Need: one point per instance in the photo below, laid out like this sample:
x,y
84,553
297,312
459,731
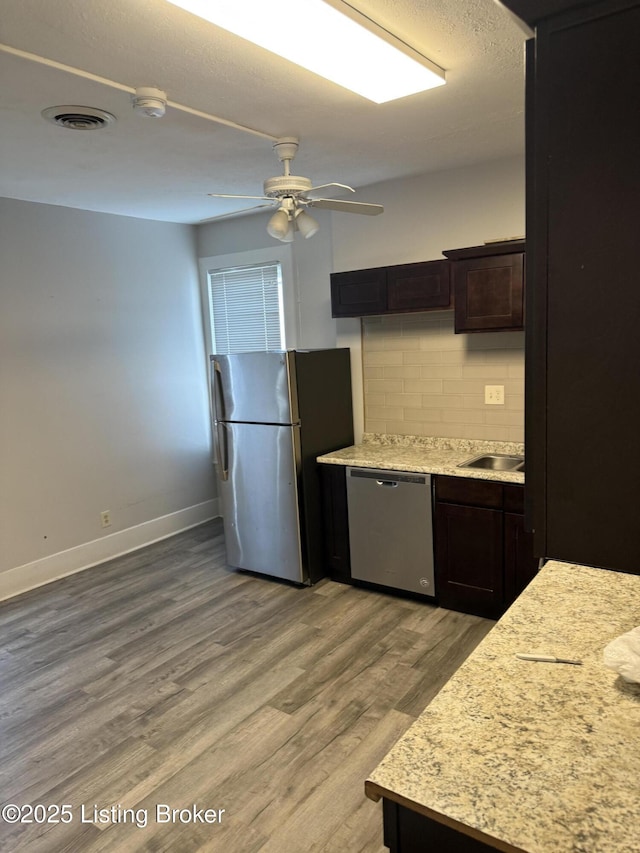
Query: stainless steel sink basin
x,y
495,462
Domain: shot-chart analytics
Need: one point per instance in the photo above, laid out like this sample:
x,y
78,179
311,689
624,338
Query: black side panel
x,y
593,337
406,831
536,306
326,414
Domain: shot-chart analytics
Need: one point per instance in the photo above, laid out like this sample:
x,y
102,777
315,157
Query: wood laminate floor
x,y
164,679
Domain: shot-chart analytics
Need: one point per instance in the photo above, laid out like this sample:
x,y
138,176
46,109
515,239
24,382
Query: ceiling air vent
x,y
78,118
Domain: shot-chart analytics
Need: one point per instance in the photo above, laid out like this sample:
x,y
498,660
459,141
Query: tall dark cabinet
x,y
583,286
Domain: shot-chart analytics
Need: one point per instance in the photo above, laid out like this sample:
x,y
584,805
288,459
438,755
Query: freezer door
x,y
260,499
254,387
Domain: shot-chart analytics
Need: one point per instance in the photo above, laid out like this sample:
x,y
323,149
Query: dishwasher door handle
x,y
392,484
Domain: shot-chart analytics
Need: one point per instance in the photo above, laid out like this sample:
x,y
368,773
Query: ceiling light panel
x,y
329,38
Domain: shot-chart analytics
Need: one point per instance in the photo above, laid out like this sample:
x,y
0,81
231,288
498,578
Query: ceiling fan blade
x,y
324,186
234,213
347,206
230,195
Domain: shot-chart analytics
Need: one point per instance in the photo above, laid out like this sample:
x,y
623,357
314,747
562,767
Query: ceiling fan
x,y
291,194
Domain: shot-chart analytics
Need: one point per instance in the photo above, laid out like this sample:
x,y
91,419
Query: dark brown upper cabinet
x,y
398,289
488,286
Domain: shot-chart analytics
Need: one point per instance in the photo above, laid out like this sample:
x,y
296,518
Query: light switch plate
x,y
494,395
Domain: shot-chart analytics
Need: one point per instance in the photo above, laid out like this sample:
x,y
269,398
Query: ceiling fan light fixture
x,y
329,38
306,224
291,233
279,225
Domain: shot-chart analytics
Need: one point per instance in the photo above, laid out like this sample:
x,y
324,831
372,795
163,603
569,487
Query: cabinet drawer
x,y
460,490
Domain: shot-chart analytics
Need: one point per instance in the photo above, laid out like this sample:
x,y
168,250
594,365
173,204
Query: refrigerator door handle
x,y
218,396
222,451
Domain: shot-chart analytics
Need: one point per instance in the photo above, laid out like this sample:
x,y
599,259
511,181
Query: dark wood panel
x,y
487,250
418,287
532,13
489,293
463,490
535,410
469,559
407,831
336,522
513,497
587,72
325,404
520,566
358,293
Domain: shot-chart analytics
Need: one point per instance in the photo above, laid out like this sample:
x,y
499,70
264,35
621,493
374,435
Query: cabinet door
x,y
469,559
336,521
489,293
520,566
358,293
418,287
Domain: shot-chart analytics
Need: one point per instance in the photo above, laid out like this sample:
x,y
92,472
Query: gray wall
x,y
102,386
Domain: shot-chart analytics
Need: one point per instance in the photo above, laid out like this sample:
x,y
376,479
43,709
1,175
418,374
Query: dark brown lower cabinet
x,y
483,555
336,522
469,559
406,831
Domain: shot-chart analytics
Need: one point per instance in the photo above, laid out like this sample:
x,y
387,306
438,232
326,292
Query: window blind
x,y
246,308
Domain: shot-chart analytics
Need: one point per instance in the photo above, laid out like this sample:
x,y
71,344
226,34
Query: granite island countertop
x,y
424,455
529,756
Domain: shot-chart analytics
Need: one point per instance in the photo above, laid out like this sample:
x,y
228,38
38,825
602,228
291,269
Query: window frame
x,y
278,254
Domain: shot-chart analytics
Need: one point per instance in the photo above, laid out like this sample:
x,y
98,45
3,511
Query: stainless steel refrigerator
x,y
273,414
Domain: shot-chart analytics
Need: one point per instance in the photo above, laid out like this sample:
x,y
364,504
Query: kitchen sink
x,y
495,462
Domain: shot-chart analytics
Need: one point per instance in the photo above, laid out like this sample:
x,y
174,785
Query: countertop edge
x,y
389,457
376,792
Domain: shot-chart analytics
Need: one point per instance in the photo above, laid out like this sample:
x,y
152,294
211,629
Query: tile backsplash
x,y
420,378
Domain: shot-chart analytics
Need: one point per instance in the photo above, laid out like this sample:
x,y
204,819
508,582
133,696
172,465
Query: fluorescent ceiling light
x,y
331,39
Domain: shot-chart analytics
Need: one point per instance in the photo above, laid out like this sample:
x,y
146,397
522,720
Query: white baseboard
x,y
30,575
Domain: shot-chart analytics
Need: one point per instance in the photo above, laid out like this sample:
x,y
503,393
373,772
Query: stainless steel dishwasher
x,y
391,529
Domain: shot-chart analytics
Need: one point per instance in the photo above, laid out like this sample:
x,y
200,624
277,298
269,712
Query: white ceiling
x,y
163,168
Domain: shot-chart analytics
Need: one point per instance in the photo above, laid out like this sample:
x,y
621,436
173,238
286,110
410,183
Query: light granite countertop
x,y
536,757
424,455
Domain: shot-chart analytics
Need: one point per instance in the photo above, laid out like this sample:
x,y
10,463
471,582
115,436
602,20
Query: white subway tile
x,y
463,416
371,359
422,357
413,401
423,386
485,371
384,413
427,416
444,371
383,386
373,373
375,399
406,371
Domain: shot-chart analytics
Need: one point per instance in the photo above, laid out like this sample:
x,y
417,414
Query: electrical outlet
x,y
494,395
105,518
